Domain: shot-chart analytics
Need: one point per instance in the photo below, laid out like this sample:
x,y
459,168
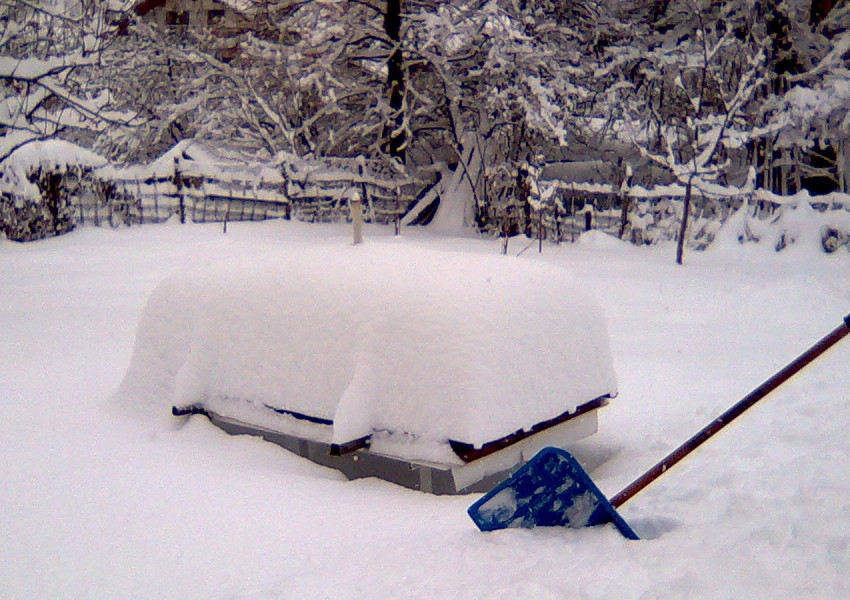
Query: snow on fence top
x,y
194,171
673,190
833,199
426,346
194,159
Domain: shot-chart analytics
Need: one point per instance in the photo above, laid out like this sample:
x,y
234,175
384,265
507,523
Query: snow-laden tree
x,y
415,83
495,90
306,78
684,89
147,73
805,124
49,50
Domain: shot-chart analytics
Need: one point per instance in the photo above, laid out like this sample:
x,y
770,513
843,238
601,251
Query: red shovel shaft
x,y
734,412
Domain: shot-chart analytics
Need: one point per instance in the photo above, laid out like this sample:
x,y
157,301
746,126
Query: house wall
x,y
191,13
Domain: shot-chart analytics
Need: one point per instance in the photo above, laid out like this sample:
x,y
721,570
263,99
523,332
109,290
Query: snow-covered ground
x,y
98,502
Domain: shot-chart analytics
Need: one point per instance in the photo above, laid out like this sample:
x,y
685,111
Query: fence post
x,y
139,200
573,215
365,198
256,197
227,207
288,198
178,183
156,201
557,222
82,215
286,195
397,210
540,230
244,200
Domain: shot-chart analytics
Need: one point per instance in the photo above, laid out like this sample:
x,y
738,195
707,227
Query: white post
x,y
356,207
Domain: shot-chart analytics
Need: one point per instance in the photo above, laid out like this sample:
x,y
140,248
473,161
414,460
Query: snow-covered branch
x,y
49,56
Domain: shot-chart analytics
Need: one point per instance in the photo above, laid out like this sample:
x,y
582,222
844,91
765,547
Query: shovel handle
x,y
734,412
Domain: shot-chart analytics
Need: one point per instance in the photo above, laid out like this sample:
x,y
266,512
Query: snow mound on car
x,y
376,338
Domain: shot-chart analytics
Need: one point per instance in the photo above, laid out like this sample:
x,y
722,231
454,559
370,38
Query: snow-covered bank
x,y
98,505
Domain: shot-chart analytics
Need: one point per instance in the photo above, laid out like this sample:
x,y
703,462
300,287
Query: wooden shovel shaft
x,y
734,412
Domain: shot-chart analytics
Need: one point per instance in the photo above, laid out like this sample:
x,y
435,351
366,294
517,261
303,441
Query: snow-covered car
x,y
439,371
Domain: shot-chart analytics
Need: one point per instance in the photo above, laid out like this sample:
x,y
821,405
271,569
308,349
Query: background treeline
x,y
485,94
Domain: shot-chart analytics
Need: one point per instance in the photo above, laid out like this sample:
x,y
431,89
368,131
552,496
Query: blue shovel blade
x,y
550,490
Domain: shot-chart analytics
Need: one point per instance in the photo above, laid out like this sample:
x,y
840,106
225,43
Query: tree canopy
x,y
695,91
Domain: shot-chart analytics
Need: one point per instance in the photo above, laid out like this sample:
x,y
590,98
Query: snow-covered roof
x,y
143,7
589,171
425,345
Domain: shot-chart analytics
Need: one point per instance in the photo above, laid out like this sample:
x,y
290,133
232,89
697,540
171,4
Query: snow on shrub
x,y
37,184
425,345
796,224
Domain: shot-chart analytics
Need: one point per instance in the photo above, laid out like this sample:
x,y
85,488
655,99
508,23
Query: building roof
x,y
143,7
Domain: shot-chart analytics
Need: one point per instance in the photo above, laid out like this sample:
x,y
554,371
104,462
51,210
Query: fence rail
x,y
562,212
568,210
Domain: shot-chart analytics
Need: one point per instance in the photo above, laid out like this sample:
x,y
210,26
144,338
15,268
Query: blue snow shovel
x,y
552,489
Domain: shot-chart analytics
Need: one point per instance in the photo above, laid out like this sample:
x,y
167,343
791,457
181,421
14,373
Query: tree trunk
x,y
768,165
798,182
53,195
395,82
680,247
523,196
621,177
841,162
624,214
783,173
178,185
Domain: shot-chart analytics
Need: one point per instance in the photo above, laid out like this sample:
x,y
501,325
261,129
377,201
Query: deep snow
x,y
99,502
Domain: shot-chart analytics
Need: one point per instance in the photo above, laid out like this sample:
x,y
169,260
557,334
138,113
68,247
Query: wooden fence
x,y
188,193
135,202
203,199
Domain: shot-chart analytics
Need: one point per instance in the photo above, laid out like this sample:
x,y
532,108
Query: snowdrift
x,y
413,347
